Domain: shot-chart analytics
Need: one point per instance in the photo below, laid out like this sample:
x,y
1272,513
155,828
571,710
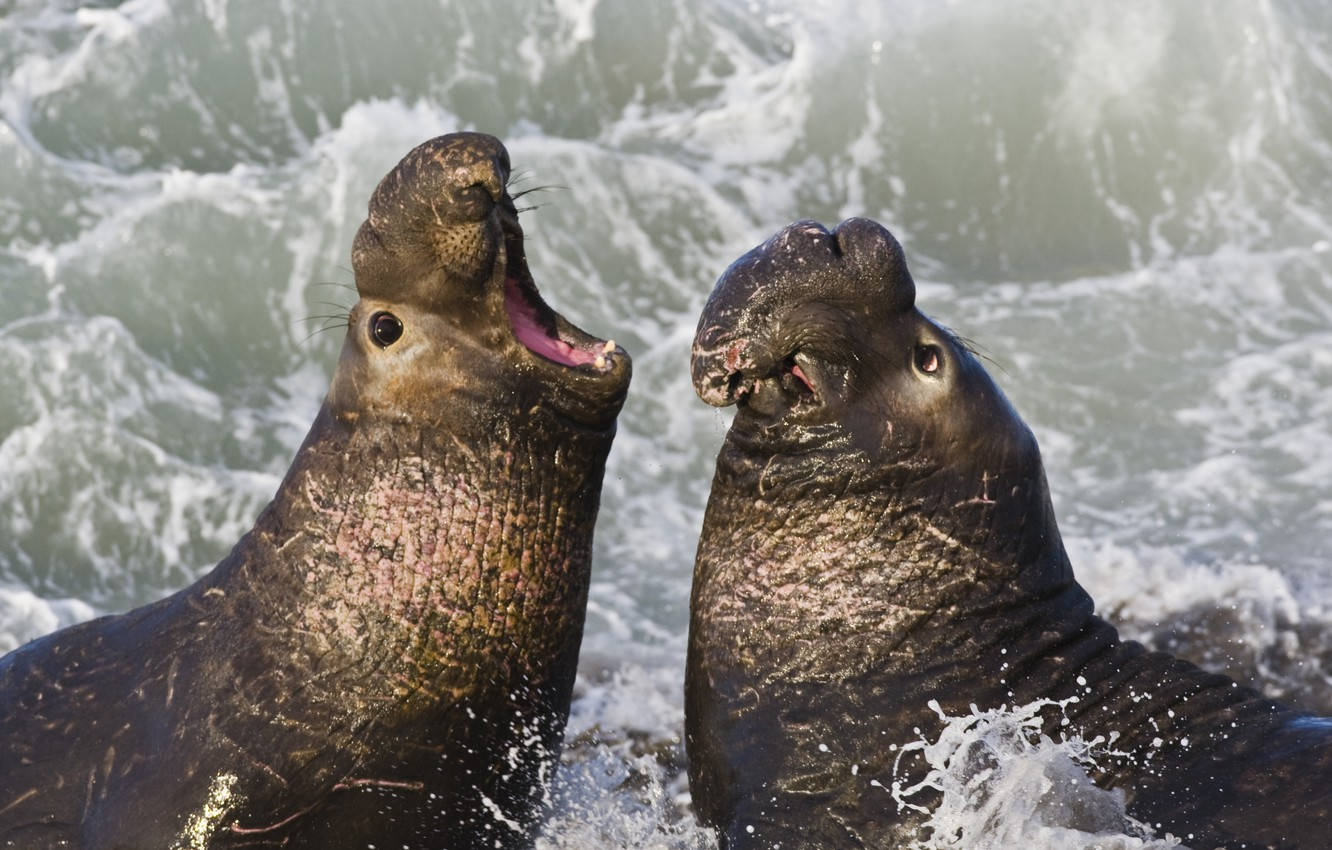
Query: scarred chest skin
x,y
365,633
387,657
872,544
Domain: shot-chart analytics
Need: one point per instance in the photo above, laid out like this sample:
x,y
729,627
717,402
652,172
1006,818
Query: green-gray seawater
x,y
1127,206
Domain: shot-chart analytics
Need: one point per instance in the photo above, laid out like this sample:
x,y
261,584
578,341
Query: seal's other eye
x,y
385,329
927,358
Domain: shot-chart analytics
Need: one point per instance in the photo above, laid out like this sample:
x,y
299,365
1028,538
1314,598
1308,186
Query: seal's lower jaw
x,y
587,377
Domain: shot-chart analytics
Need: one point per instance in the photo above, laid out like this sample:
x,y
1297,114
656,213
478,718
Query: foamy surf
x,y
1127,209
621,782
25,616
1001,783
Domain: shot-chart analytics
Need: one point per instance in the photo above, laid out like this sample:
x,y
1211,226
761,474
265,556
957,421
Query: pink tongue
x,y
800,373
522,316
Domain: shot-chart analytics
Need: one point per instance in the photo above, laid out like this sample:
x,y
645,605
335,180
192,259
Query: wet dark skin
x,y
387,658
880,535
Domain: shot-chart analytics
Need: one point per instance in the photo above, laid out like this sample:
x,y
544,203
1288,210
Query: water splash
x,y
1128,210
621,782
1002,783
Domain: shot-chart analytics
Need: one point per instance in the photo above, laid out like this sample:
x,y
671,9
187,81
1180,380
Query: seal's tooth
x,y
608,347
600,362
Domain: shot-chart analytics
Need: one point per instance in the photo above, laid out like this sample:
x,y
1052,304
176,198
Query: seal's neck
x,y
902,575
451,565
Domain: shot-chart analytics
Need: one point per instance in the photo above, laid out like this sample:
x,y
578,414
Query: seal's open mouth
x,y
540,333
540,329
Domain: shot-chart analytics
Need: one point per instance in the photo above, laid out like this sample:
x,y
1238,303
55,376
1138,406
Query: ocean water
x,y
1127,206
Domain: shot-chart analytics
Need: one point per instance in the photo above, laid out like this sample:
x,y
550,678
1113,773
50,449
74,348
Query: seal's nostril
x,y
473,202
492,182
486,174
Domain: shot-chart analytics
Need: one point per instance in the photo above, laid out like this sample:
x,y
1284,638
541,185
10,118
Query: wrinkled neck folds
x,y
455,565
834,559
870,553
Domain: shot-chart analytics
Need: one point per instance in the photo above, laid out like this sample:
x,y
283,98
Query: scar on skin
x,y
171,680
984,497
379,783
762,488
237,829
26,795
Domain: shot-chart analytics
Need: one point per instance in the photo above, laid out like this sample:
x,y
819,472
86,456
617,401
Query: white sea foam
x,y
622,783
25,616
1004,784
613,799
1126,212
1248,620
1156,586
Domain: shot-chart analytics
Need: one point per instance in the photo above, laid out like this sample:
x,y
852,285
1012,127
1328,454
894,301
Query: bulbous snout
x,y
444,207
858,267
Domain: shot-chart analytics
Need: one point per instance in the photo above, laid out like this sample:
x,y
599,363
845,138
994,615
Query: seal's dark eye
x,y
927,358
385,329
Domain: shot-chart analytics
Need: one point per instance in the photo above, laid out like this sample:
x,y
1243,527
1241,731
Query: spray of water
x,y
1128,208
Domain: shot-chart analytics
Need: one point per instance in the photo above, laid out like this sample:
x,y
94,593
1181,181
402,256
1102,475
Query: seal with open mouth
x,y
879,536
387,658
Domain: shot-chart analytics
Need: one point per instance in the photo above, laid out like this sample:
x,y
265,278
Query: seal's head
x,y
449,321
842,382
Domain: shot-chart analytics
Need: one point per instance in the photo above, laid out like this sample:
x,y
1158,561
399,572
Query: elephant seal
x,y
386,659
879,536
